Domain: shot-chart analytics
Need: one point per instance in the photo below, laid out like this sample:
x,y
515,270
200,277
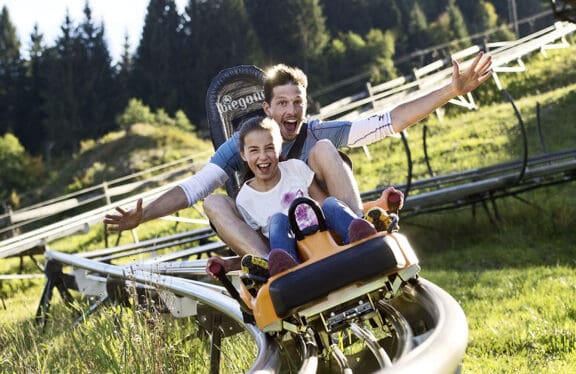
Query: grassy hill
x,y
514,277
121,153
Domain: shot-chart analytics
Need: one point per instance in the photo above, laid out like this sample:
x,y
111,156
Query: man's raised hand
x,y
476,74
126,220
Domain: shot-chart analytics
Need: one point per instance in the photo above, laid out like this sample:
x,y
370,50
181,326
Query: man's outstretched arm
x,y
409,113
170,202
197,187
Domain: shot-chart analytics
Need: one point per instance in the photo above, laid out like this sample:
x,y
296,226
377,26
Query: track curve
x,y
430,327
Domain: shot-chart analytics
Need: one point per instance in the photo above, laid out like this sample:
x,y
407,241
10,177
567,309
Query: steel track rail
x,y
442,349
268,358
439,349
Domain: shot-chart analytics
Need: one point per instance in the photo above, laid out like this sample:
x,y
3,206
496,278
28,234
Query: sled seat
x,y
366,260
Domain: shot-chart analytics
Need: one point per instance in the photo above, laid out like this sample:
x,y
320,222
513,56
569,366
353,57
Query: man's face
x,y
287,107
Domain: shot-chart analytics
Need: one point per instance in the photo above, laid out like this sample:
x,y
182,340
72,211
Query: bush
x,y
135,112
19,170
182,122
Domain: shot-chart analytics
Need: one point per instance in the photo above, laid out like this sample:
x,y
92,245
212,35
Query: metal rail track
x,y
424,318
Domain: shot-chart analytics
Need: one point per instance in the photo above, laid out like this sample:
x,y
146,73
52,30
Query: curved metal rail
x,y
442,347
268,350
430,327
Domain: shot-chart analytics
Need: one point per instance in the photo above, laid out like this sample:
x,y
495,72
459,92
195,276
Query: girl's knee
x,y
331,203
279,219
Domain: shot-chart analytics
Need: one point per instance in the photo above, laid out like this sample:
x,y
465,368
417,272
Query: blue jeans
x,y
338,218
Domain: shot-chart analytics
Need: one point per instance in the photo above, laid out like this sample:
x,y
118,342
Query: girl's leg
x,y
281,236
338,216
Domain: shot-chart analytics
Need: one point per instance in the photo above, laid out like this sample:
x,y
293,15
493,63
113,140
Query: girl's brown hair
x,y
260,123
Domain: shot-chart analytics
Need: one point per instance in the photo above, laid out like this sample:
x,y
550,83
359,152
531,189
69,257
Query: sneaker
x,y
279,260
255,268
379,218
395,201
360,229
390,201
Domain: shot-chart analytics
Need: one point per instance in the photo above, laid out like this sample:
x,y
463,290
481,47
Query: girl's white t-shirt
x,y
257,207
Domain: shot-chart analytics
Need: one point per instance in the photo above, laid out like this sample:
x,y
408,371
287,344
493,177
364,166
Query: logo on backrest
x,y
227,103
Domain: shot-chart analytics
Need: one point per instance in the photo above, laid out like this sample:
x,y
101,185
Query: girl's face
x,y
261,153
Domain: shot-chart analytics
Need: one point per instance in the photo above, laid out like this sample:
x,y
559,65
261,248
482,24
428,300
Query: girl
x,y
263,200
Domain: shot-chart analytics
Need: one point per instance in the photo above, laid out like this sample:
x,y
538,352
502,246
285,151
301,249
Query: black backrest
x,y
234,95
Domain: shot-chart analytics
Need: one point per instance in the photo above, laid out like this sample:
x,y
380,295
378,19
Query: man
x,y
285,102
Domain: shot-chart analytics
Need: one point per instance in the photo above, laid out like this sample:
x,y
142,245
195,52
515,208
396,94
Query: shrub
x,y
135,112
19,170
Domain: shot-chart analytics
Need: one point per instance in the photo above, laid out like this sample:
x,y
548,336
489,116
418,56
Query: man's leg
x,y
335,174
224,216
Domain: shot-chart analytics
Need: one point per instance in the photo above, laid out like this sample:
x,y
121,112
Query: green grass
x,y
515,282
118,154
515,279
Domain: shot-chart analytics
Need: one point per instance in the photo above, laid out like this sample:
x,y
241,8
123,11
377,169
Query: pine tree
x,y
357,17
95,79
360,16
30,131
418,28
208,51
123,73
11,70
80,90
458,28
60,97
381,46
291,31
157,66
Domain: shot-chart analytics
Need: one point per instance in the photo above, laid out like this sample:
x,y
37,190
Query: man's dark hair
x,y
280,75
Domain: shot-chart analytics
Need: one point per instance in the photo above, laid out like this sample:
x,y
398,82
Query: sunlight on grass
x,y
515,282
516,315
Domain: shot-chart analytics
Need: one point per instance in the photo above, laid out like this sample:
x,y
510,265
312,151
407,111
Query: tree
x,y
19,171
291,31
450,28
207,51
386,15
60,96
361,15
481,17
80,90
458,28
31,106
157,67
124,69
95,79
381,47
356,19
350,54
11,70
135,112
418,33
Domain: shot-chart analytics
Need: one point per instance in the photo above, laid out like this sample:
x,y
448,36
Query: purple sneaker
x,y
360,229
279,260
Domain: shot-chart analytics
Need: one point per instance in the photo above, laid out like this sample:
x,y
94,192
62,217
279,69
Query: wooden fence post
x,y
106,195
